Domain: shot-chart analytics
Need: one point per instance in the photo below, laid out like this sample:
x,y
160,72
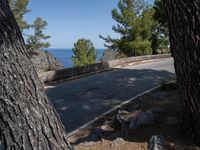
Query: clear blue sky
x,y
69,20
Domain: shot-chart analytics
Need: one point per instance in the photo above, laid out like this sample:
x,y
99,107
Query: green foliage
x,y
140,33
134,20
160,15
84,53
160,34
142,47
36,41
19,9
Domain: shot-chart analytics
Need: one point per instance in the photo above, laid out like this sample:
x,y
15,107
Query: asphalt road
x,y
81,100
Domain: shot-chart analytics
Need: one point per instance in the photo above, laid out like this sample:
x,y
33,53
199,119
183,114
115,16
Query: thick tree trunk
x,y
27,118
184,26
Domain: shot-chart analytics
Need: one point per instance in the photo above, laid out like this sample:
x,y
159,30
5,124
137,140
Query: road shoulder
x,y
167,123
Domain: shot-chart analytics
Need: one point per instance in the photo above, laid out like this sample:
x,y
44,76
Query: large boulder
x,y
143,118
44,61
122,120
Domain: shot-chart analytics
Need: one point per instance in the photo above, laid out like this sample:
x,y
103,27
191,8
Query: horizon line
x,y
68,48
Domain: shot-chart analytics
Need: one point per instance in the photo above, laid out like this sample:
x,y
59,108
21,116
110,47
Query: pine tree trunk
x,y
27,118
184,26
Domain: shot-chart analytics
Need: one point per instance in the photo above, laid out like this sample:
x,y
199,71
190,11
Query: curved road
x,y
81,100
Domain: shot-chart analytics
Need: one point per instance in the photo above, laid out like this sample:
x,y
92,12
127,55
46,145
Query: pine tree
x,y
160,33
84,53
131,16
19,9
36,42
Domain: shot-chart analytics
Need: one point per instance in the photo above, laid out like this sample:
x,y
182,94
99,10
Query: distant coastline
x,y
64,55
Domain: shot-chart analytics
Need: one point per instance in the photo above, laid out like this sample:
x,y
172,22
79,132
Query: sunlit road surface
x,y
81,100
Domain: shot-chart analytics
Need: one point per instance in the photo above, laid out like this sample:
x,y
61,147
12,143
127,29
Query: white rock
x,y
117,142
107,126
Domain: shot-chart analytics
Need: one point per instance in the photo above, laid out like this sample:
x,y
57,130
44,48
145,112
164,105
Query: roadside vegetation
x,y
142,29
84,53
37,40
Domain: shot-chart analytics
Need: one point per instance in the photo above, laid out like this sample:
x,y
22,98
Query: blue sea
x,y
64,56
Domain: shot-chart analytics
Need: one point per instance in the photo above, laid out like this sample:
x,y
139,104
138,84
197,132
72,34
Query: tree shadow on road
x,y
81,100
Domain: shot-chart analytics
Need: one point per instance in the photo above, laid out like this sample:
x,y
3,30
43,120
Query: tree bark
x,y
27,118
184,27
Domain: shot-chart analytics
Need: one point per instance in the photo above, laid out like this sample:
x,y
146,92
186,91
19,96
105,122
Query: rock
x,y
118,122
44,61
117,142
156,143
146,118
143,118
126,120
122,120
107,126
134,124
123,112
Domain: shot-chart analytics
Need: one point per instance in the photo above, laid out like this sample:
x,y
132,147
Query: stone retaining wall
x,y
71,72
118,62
77,71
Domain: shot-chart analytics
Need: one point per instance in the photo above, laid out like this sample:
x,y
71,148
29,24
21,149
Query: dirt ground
x,y
169,126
